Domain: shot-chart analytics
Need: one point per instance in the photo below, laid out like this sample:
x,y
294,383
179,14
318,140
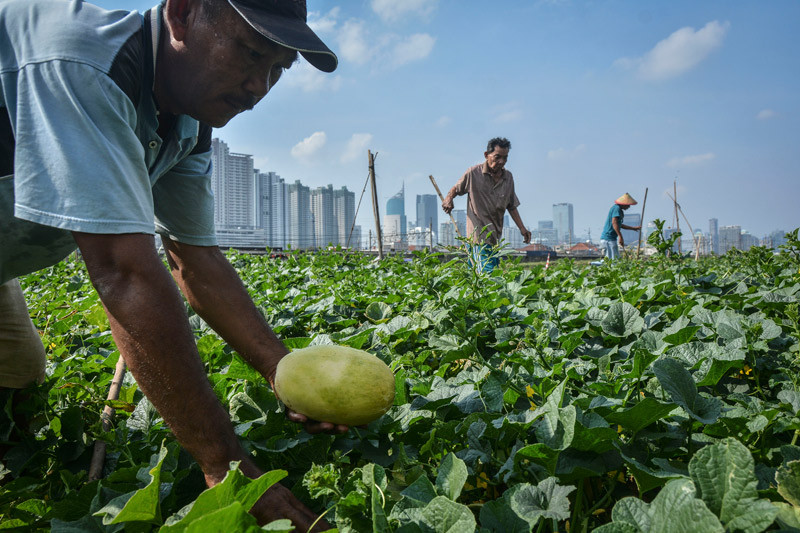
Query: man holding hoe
x,y
105,131
612,230
490,192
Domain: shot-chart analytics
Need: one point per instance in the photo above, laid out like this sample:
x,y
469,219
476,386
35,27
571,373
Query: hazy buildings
x,y
713,233
259,210
563,222
428,211
629,235
730,237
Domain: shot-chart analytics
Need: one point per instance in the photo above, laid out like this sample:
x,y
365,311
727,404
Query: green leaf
x,y
421,491
451,477
236,487
724,473
233,517
546,500
442,515
378,312
557,428
681,388
788,479
632,511
641,415
622,320
497,517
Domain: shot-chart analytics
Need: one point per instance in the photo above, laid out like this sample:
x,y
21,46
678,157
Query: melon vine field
x,y
659,395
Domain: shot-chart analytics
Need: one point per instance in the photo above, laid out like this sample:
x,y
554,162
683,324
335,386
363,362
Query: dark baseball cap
x,y
284,22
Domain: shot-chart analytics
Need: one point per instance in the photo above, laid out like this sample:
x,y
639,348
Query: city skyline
x,y
597,98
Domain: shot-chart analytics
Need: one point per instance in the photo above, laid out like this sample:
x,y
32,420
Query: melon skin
x,y
335,384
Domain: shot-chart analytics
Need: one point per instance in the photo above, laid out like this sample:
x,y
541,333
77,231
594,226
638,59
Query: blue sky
x,y
597,98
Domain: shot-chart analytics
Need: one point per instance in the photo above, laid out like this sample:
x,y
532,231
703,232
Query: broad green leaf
x,y
676,509
546,500
420,491
451,477
236,487
641,415
378,312
724,474
557,428
788,479
681,388
634,512
622,320
143,505
497,517
788,516
442,515
541,454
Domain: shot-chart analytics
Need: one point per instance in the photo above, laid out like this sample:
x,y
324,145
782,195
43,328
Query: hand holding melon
x,y
335,384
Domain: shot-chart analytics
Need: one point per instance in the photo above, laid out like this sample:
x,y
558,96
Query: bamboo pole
x,y
107,417
375,207
441,197
696,241
677,220
641,224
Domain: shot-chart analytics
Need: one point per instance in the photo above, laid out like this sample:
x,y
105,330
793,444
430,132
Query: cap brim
x,y
292,33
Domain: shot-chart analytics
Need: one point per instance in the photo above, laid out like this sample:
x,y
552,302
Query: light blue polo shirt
x,y
76,86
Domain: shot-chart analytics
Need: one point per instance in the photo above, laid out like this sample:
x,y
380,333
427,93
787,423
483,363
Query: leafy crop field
x,y
656,396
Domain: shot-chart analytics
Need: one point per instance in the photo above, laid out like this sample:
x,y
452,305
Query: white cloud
x,y
689,160
356,147
309,146
562,154
308,79
678,53
766,114
353,45
412,48
323,23
394,10
443,121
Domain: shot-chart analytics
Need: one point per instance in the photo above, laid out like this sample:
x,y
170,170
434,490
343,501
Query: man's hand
x,y
621,242
447,205
314,426
526,236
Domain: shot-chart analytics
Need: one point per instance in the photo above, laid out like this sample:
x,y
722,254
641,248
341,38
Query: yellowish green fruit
x,y
335,384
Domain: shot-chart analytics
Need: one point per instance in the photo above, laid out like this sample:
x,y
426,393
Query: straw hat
x,y
625,199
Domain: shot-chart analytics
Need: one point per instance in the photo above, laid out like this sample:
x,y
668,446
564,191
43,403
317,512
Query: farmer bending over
x,y
105,130
489,187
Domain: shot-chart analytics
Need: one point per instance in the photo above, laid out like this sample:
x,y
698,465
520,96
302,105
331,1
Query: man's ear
x,y
177,16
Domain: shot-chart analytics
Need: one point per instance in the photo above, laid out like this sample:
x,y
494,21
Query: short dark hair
x,y
496,142
211,8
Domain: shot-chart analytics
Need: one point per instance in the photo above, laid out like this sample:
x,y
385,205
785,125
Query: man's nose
x,y
259,83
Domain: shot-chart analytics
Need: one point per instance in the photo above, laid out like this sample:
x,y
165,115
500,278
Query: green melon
x,y
335,384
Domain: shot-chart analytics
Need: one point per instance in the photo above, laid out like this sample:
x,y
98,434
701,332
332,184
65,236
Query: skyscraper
x,y
344,210
394,224
563,222
232,183
730,237
428,211
326,231
300,227
713,231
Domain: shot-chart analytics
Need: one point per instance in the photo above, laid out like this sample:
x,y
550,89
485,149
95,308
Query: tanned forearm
x,y
214,290
151,330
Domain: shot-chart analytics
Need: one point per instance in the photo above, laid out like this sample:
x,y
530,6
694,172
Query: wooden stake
x,y
375,207
441,197
107,417
641,224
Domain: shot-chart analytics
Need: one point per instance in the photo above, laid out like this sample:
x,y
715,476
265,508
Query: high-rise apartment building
x,y
232,183
395,220
713,232
428,211
300,230
563,223
730,237
326,231
344,211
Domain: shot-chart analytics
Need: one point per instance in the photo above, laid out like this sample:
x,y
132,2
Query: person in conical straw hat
x,y
612,231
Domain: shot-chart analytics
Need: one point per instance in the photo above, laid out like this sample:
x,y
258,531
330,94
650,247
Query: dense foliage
x,y
649,396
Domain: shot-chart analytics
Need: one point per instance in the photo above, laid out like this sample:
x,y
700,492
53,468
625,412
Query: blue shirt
x,y
608,230
79,148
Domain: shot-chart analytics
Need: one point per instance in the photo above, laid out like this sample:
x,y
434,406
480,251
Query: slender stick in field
x,y
641,223
99,454
441,197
